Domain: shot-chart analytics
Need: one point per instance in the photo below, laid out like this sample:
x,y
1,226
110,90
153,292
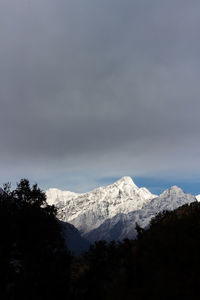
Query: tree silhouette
x,y
34,261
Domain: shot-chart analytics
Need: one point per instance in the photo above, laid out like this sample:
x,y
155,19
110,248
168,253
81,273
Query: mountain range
x,y
111,212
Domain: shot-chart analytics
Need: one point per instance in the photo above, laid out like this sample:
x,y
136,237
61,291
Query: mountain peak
x,y
173,190
126,180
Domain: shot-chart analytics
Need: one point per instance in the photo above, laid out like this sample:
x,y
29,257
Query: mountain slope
x,y
123,225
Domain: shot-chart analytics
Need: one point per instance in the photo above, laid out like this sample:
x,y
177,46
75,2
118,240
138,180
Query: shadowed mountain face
x,y
74,241
111,212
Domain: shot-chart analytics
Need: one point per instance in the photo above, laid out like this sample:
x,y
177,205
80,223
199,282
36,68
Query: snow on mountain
x,y
123,225
89,210
198,198
55,196
170,199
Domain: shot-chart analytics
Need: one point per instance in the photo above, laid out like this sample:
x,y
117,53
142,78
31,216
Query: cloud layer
x,y
92,89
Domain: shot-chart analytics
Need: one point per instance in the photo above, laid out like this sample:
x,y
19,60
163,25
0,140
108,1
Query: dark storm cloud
x,y
109,86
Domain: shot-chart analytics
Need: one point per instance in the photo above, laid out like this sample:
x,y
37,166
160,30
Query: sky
x,y
92,90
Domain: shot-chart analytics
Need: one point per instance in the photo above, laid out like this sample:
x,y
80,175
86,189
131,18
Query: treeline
x,y
163,263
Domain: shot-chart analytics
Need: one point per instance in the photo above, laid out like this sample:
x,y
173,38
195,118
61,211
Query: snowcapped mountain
x,y
123,225
89,210
111,212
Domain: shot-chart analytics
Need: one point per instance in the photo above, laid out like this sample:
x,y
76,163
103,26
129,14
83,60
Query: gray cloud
x,y
98,88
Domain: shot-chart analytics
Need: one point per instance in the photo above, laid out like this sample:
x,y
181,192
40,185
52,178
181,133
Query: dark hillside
x,y
163,263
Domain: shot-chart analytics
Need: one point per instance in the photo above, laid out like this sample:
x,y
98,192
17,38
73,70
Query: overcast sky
x,y
92,90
